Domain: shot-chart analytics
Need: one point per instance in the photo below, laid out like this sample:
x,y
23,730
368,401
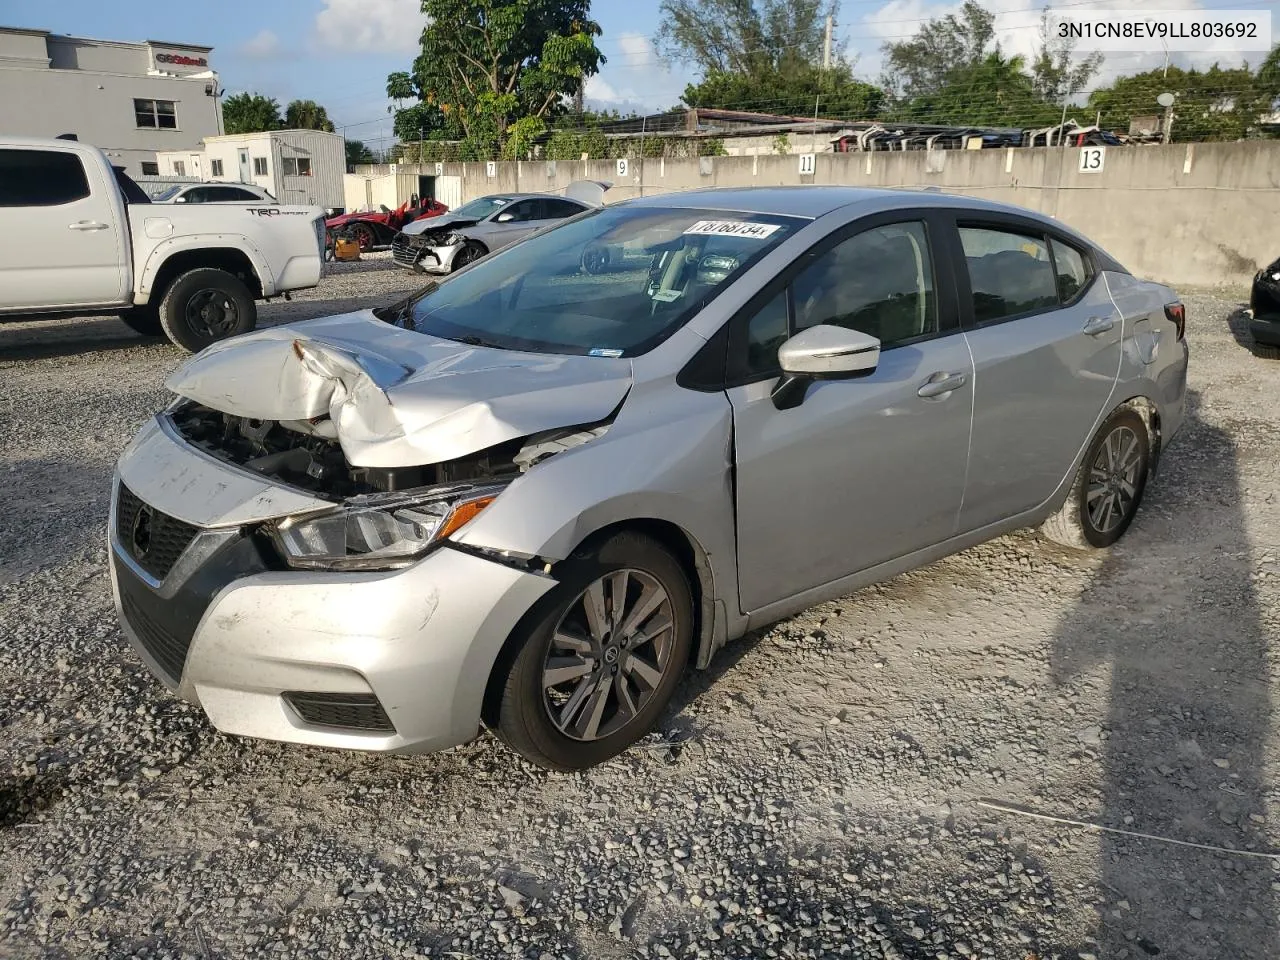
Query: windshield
x,y
168,193
481,208
612,282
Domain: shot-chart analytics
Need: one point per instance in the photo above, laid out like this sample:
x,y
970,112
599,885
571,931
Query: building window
x,y
180,168
155,114
215,168
296,166
150,169
259,166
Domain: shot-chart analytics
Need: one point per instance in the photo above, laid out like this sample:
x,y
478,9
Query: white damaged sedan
x,y
532,495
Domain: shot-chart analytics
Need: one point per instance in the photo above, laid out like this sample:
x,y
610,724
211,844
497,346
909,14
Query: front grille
x,y
404,253
153,539
349,711
168,650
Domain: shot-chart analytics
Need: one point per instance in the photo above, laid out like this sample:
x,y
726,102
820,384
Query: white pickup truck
x,y
78,237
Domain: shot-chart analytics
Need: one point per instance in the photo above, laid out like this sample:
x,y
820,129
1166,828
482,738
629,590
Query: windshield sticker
x,y
732,228
668,296
604,352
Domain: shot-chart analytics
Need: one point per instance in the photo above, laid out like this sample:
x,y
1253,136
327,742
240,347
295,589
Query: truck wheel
x,y
144,321
206,305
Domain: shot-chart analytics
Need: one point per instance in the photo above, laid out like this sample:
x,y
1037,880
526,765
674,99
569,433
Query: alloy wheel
x,y
608,655
1112,492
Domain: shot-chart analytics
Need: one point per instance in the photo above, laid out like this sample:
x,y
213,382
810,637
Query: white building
x,y
295,166
131,99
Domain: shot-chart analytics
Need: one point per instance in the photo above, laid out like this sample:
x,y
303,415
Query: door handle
x,y
1096,325
87,225
940,384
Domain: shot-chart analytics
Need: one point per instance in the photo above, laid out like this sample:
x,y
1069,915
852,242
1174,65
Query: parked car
x,y
89,245
488,223
531,495
1264,311
214,193
378,228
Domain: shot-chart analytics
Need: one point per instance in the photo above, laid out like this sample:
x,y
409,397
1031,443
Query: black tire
x,y
595,260
1266,351
469,254
144,321
364,236
523,704
204,306
1075,525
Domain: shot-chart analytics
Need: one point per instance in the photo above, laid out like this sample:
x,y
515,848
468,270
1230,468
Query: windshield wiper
x,y
471,340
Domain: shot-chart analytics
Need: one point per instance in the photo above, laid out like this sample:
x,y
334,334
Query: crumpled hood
x,y
445,221
397,397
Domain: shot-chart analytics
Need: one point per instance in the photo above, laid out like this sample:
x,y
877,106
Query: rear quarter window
x,y
41,178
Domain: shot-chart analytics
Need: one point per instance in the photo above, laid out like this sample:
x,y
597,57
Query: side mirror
x,y
181,199
505,217
823,352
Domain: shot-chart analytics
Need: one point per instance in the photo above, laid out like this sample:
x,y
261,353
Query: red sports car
x,y
377,228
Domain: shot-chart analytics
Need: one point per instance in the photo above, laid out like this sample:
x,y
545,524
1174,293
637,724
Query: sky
x,y
339,52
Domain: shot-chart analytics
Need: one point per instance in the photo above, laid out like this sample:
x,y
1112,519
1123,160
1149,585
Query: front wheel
x,y
601,657
467,255
206,305
1108,487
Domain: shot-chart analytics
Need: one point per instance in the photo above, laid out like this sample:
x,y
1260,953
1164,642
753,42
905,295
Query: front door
x,y
66,244
512,222
1046,342
864,470
246,171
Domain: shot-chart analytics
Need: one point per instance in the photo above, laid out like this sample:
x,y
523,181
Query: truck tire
x,y
144,321
204,306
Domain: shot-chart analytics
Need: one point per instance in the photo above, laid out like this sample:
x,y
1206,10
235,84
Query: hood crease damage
x,y
393,398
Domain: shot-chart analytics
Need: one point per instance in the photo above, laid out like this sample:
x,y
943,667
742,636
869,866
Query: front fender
x,y
156,256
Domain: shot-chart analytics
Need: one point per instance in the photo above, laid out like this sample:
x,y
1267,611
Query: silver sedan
x,y
536,493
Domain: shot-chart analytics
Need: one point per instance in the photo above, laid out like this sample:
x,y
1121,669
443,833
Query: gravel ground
x,y
817,793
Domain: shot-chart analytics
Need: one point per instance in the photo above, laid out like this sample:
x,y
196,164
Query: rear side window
x,y
556,209
1072,270
1010,274
41,178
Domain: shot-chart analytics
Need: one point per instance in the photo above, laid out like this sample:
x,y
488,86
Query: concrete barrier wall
x,y
1205,214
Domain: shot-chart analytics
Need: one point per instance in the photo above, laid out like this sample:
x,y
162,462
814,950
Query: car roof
x,y
813,201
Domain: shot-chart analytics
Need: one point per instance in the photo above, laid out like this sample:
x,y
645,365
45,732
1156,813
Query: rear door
x,y
864,470
65,242
1046,348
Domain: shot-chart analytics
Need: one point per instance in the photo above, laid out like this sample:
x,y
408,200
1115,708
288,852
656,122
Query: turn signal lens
x,y
463,515
1178,314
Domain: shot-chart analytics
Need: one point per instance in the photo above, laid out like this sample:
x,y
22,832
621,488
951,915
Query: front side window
x,y
521,211
215,168
155,114
41,178
879,282
613,282
1072,269
1009,273
259,166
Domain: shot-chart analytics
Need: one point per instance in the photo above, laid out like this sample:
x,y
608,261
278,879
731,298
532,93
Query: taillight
x,y
1178,314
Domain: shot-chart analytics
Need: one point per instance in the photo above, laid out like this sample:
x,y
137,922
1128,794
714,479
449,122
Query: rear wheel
x,y
601,657
1108,487
206,305
363,234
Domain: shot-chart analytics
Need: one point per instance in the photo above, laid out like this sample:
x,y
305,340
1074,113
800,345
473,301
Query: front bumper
x,y
222,629
427,259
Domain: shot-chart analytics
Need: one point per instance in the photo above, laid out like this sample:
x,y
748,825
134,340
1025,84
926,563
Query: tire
x,y
144,321
631,685
469,254
363,234
1266,351
1076,525
595,260
204,306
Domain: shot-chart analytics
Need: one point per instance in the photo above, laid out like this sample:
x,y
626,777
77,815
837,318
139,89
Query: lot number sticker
x,y
1092,159
808,164
732,228
622,166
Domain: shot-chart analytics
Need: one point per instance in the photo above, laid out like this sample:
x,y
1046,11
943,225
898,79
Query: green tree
x,y
307,115
927,62
744,37
358,152
1214,104
488,68
250,113
1058,74
793,91
997,92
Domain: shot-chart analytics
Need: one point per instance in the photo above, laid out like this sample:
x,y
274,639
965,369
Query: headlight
x,y
448,240
381,531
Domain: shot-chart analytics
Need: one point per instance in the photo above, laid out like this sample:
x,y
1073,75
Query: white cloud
x,y
634,78
262,45
370,26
